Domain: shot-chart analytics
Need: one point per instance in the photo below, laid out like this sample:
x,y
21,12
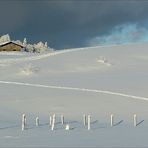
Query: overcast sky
x,y
69,23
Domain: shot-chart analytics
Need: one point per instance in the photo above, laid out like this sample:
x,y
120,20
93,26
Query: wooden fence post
x,y
37,121
53,122
112,120
84,120
62,119
135,120
23,121
50,120
89,120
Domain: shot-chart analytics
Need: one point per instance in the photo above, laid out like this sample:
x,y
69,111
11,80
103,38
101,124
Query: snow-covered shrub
x,y
5,38
29,48
40,47
104,61
25,42
29,70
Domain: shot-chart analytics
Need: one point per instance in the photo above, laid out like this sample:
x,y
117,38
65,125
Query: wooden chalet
x,y
10,46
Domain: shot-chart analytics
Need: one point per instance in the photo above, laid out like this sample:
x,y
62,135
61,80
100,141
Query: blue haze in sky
x,y
123,34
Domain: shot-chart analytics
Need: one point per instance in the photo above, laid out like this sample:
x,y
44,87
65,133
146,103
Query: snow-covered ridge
x,y
31,58
40,56
12,53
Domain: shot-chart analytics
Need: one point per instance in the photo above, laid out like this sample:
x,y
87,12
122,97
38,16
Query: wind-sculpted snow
x,y
28,70
11,53
38,57
53,53
46,55
76,89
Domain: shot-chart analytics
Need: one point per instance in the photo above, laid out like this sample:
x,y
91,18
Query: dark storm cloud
x,y
68,23
12,16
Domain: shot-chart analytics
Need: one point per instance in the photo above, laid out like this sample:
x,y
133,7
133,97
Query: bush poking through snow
x,y
39,47
5,38
29,70
104,61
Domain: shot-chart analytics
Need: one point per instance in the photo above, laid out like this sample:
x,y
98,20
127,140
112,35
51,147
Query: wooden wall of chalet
x,y
10,47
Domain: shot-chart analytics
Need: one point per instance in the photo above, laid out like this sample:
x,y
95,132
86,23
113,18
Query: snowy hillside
x,y
99,81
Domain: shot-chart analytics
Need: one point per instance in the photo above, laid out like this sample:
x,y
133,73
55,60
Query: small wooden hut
x,y
10,46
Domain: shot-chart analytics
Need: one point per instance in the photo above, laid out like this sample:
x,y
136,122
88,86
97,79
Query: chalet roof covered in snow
x,y
10,46
10,42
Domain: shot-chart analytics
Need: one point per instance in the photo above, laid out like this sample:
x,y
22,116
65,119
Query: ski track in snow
x,y
75,89
62,87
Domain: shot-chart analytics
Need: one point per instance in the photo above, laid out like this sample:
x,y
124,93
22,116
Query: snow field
x,y
96,81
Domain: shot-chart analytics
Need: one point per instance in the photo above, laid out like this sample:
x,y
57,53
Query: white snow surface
x,y
99,81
